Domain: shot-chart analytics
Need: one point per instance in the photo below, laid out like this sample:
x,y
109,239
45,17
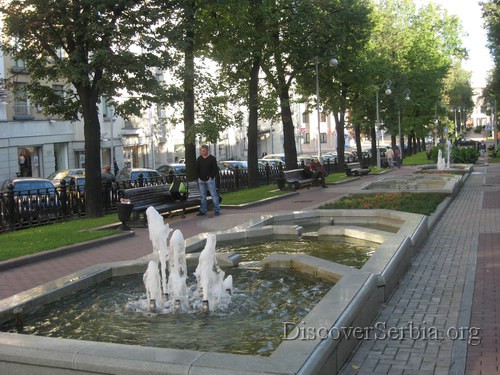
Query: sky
x,y
469,11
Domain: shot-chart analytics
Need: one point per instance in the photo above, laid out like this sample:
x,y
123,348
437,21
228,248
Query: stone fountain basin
x,y
415,183
351,303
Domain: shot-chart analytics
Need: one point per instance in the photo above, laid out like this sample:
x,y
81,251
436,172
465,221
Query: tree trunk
x,y
92,131
419,146
339,127
410,145
357,138
402,145
253,115
288,129
374,145
188,113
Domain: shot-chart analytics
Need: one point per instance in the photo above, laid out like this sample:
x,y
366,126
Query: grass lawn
x,y
336,177
494,160
417,159
52,236
251,195
418,203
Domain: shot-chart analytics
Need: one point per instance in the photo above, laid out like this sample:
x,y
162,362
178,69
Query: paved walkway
x,y
449,289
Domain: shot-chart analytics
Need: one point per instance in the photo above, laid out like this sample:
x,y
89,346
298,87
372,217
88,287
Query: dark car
x,y
29,185
77,181
175,168
133,174
32,196
466,142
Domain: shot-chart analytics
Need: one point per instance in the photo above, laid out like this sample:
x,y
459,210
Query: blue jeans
x,y
205,187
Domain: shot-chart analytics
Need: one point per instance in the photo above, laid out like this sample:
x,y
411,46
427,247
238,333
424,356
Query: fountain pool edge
x,y
352,302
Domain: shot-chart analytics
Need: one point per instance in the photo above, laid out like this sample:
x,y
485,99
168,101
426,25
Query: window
x,y
323,117
18,66
161,112
322,138
307,138
305,118
58,90
21,107
107,109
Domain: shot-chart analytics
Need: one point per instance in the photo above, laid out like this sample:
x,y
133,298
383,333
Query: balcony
x,y
22,112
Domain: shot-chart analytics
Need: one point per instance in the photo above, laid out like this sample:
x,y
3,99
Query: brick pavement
x,y
443,290
431,308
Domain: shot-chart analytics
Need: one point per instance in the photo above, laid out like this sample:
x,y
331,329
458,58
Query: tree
x,y
300,33
414,49
459,92
89,46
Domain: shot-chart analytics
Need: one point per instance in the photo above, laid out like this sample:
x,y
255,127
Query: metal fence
x,y
32,208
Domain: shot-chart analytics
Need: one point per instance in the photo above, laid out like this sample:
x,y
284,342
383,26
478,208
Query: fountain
x,y
303,347
441,163
448,153
214,290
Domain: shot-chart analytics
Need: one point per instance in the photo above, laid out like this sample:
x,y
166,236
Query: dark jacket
x,y
206,167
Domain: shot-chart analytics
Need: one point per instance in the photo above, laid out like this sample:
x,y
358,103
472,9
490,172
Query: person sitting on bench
x,y
318,171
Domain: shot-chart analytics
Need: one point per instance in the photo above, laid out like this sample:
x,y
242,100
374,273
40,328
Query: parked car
x,y
275,156
175,168
272,162
32,196
232,164
29,185
78,181
132,174
57,176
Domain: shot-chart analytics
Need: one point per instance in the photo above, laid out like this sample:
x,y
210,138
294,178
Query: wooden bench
x,y
161,199
356,169
295,179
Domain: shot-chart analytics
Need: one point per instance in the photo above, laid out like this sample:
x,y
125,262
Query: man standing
x,y
206,168
106,175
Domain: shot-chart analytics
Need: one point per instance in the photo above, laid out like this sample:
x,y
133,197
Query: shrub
x,y
466,155
463,155
478,129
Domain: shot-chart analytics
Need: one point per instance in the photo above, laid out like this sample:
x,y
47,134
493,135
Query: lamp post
x,y
112,151
333,63
456,130
387,83
406,94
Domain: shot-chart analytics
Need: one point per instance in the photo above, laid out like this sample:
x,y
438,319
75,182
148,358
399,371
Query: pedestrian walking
x,y
389,154
207,170
397,157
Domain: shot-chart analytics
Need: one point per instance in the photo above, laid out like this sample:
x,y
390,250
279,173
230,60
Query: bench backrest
x,y
295,174
148,195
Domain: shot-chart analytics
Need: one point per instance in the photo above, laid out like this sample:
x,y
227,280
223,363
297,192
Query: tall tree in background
x,y
234,30
414,49
301,33
459,93
86,44
491,16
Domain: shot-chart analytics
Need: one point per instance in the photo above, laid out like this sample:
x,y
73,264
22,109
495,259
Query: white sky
x,y
469,11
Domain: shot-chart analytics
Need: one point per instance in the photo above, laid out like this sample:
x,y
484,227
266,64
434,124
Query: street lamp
x,y
406,94
387,83
333,63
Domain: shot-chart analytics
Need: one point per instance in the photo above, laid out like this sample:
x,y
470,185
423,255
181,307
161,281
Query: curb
x,y
49,254
257,203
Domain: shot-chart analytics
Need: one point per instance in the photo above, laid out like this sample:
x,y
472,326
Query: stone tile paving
x,y
430,310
